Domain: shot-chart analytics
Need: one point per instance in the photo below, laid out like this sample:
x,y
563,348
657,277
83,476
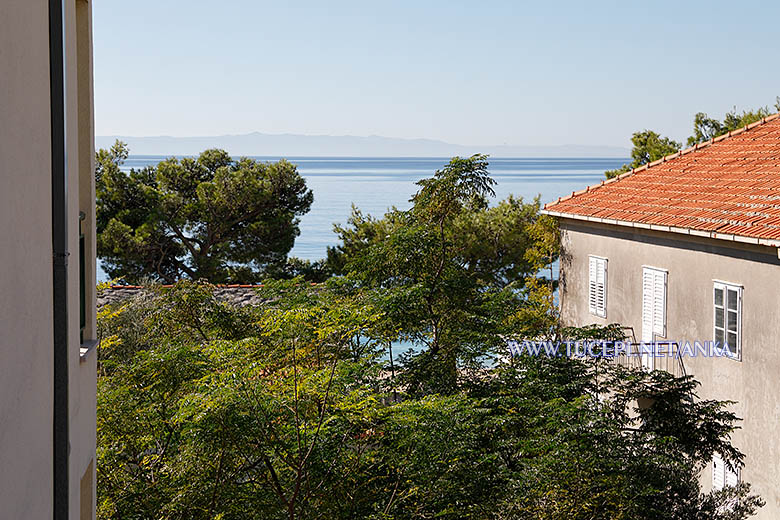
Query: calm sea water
x,y
375,184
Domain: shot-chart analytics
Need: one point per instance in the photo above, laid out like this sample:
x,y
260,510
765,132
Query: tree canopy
x,y
706,128
449,268
209,217
290,411
648,146
299,408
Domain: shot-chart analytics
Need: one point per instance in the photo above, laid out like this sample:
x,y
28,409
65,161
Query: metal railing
x,y
656,355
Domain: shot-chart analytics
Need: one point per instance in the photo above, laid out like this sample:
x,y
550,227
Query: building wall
x,y
26,341
26,262
81,199
693,264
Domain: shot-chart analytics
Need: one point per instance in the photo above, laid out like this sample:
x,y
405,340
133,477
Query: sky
x,y
480,72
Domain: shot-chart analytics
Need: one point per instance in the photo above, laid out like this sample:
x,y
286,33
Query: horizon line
x,y
353,136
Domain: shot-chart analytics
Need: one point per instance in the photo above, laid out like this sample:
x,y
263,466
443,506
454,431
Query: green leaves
x,y
292,409
208,218
447,271
706,128
288,410
648,147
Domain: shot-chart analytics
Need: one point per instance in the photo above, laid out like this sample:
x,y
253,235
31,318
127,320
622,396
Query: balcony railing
x,y
659,355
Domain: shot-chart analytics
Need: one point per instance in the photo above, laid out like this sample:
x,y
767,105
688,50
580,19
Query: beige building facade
x,y
686,251
47,196
694,267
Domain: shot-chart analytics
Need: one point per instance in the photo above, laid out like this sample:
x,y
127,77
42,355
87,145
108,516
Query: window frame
x,y
595,310
724,308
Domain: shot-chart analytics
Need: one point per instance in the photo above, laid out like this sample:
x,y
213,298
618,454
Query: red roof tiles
x,y
729,185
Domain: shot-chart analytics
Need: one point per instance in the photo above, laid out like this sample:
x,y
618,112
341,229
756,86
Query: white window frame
x,y
597,265
724,309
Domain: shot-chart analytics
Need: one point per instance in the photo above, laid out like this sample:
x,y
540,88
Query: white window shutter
x,y
732,477
597,286
718,473
647,304
601,288
592,275
659,303
653,303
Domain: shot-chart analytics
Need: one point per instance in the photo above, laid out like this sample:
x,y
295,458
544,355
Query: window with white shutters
x,y
727,319
718,473
597,286
722,475
653,303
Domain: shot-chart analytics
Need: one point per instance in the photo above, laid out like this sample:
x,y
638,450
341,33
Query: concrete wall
x,y
692,264
26,259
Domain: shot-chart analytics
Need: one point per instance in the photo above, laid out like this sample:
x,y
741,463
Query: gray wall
x,y
693,263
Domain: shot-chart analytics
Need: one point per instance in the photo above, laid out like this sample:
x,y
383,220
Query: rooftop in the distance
x,y
726,188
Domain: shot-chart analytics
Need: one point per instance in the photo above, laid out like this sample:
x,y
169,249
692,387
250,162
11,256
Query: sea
x,y
375,184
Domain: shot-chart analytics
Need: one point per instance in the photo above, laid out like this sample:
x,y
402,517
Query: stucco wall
x,y
693,264
26,262
26,344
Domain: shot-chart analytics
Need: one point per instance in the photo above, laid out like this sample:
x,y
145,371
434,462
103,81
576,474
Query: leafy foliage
x,y
286,411
212,217
449,270
706,128
648,146
292,409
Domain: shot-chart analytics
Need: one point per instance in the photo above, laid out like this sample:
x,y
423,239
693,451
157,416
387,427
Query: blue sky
x,y
481,72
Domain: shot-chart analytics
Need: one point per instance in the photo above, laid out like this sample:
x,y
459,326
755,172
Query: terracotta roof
x,y
726,188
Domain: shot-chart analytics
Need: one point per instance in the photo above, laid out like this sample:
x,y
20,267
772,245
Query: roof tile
x,y
730,184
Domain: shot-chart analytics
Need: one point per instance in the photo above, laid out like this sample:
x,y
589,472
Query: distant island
x,y
293,145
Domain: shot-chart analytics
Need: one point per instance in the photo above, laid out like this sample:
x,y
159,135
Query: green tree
x,y
449,269
210,411
360,232
292,409
706,128
648,146
210,217
284,411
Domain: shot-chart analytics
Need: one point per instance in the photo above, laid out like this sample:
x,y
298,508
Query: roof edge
x,y
698,146
726,237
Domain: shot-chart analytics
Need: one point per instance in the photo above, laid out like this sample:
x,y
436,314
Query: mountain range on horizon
x,y
296,145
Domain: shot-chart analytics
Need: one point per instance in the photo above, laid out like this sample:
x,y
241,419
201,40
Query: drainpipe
x,y
59,224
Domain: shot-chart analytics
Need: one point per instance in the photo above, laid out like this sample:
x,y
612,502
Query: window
x,y
727,320
653,303
82,278
597,286
722,475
